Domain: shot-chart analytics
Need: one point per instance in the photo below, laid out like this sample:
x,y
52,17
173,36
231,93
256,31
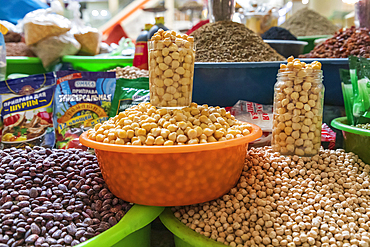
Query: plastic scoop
x,y
136,218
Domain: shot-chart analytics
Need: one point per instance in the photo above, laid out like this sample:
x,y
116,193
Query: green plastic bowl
x,y
24,65
311,41
133,230
183,235
97,63
356,140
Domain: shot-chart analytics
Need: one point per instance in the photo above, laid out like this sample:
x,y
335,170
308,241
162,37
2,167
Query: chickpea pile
x,y
171,69
298,109
144,124
290,201
130,72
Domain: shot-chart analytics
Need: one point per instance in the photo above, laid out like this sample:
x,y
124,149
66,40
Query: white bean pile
x,y
290,201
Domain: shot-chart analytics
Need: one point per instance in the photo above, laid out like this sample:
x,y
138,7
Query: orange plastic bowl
x,y
172,175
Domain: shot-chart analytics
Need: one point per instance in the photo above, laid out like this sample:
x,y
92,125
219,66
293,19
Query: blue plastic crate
x,y
224,84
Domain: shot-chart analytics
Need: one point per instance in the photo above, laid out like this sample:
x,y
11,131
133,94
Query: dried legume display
x,y
346,42
144,124
53,197
290,201
278,33
306,22
130,72
363,126
227,41
298,106
171,69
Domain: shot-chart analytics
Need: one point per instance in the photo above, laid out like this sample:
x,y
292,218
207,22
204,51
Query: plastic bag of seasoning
x,y
129,92
27,110
347,92
360,78
82,99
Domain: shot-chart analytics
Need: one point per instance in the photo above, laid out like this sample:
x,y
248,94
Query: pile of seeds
x,y
278,33
306,22
346,42
227,41
146,125
53,198
290,201
364,126
130,72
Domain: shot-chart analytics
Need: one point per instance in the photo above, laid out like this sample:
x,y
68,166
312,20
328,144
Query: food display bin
x,y
311,41
132,230
356,140
172,175
224,84
24,65
95,63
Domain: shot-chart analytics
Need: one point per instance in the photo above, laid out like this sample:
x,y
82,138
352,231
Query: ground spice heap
x,y
346,42
306,22
290,201
227,41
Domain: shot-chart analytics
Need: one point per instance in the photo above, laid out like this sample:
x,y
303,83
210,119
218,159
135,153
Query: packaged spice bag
x,y
27,110
82,99
129,92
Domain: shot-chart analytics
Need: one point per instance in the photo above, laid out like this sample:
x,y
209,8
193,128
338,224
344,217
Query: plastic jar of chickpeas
x,y
298,108
171,71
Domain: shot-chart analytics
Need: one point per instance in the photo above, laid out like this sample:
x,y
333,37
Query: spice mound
x,y
130,72
54,197
227,41
144,124
306,22
346,42
278,33
290,201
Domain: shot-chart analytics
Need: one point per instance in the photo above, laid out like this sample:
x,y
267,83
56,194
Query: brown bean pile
x,y
53,198
290,201
18,49
346,42
130,72
227,41
306,22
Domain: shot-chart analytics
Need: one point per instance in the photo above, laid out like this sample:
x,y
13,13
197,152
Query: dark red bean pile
x,y
53,197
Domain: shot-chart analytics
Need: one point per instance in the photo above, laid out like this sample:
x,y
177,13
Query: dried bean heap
x,y
146,125
227,41
363,126
346,42
290,201
306,22
130,72
53,198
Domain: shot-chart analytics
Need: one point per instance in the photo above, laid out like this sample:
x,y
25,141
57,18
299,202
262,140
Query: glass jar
x,y
171,72
221,10
298,108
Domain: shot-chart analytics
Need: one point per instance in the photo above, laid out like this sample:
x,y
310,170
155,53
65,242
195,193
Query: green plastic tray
x,y
133,230
356,140
183,235
311,41
96,63
24,65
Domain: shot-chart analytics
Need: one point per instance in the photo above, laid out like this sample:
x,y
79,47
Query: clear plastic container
x,y
171,72
298,109
221,10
